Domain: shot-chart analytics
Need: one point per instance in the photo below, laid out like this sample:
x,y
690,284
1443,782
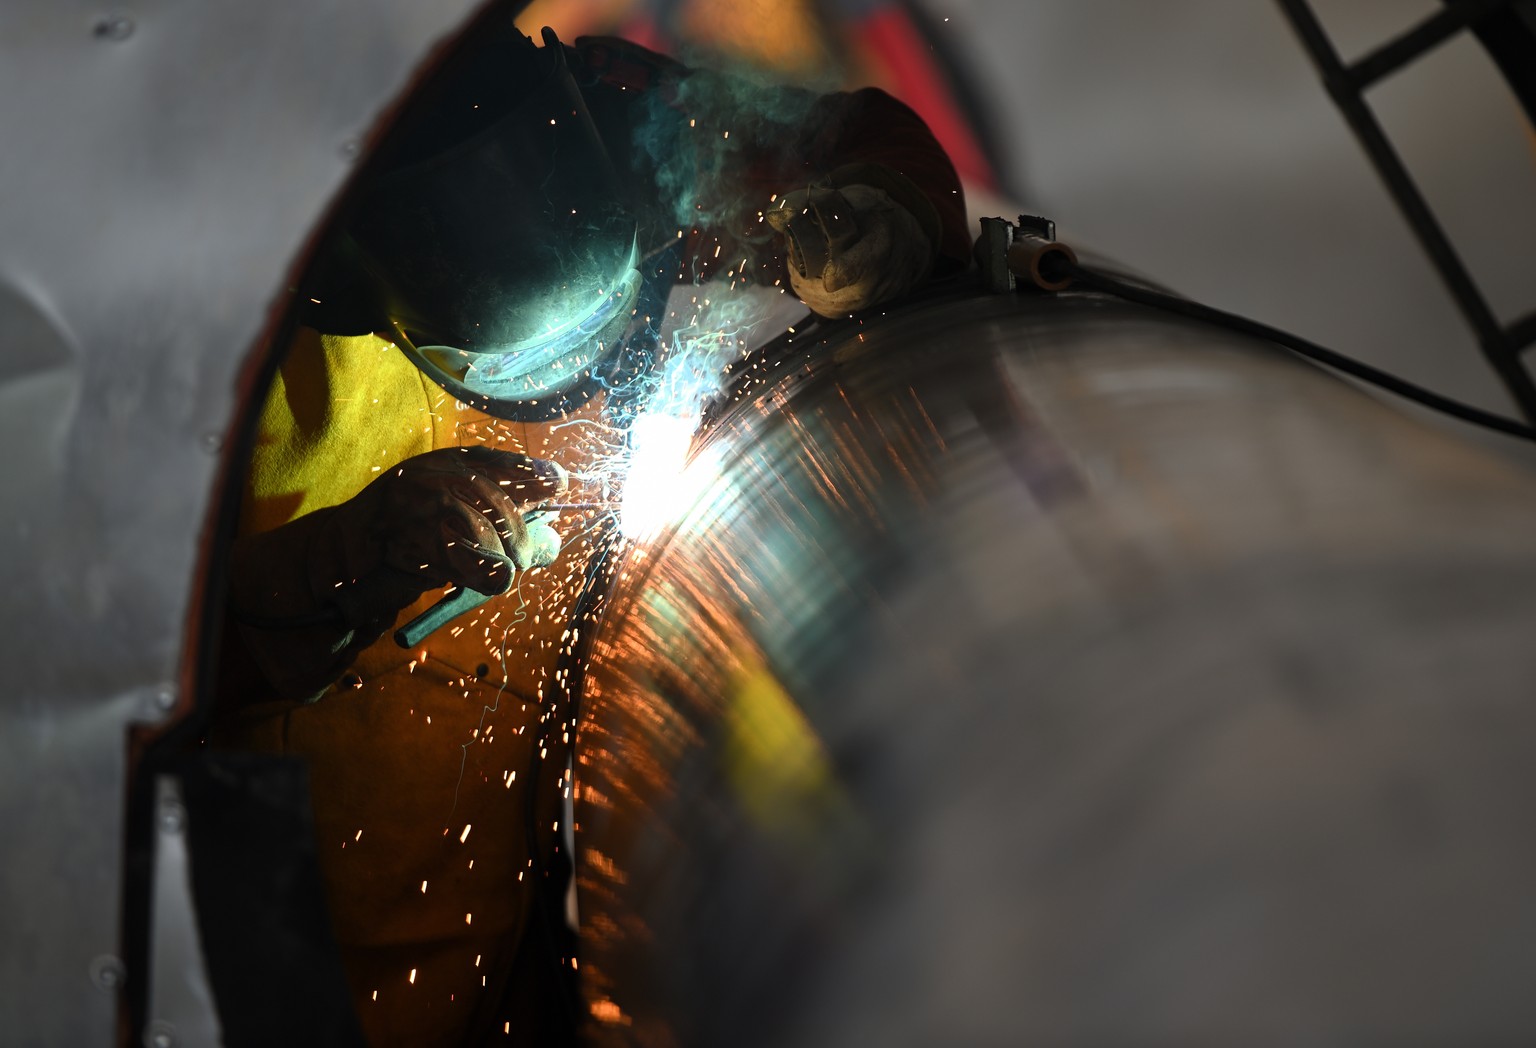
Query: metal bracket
x,y
1013,255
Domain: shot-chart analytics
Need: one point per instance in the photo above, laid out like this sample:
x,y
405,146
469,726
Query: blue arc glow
x,y
658,473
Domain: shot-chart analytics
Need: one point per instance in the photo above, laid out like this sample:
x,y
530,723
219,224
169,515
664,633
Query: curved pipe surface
x,y
1050,670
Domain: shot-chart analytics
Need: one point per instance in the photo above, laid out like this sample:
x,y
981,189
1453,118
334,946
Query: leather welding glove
x,y
851,248
308,596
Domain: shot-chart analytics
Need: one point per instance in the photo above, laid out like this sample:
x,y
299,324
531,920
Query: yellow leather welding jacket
x,y
418,759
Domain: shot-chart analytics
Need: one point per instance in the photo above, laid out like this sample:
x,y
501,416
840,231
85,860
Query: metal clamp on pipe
x,y
1027,254
1031,257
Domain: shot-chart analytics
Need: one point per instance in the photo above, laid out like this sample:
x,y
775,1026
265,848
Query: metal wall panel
x,y
162,166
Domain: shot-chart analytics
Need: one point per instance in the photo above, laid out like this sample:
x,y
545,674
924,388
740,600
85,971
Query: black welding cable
x,y
1060,266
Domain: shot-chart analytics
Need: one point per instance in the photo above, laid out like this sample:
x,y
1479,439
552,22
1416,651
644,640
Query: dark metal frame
x,y
1507,29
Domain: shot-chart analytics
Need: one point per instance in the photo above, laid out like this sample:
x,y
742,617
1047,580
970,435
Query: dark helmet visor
x,y
506,261
546,364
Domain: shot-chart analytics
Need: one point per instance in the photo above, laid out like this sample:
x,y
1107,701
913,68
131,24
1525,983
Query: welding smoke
x,y
700,140
705,144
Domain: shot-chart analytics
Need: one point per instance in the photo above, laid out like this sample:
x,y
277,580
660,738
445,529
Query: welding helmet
x,y
490,237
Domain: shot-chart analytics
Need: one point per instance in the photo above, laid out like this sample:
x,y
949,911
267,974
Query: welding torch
x,y
461,599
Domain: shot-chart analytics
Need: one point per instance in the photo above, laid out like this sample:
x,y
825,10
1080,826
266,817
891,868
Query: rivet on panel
x,y
107,972
172,817
116,26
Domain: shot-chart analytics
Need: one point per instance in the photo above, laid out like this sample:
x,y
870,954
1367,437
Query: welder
x,y
485,285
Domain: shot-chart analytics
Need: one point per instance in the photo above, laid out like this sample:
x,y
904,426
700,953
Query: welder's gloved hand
x,y
851,248
308,596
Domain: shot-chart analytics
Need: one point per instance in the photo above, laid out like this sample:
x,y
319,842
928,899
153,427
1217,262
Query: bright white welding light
x,y
661,482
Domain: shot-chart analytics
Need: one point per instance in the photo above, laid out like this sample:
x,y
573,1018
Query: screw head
x,y
115,27
107,972
160,1034
172,818
211,443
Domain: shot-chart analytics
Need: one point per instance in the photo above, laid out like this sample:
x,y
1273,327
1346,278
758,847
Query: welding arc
x,y
1056,267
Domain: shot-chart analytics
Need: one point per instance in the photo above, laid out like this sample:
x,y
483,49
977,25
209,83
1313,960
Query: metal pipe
x,y
1047,669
